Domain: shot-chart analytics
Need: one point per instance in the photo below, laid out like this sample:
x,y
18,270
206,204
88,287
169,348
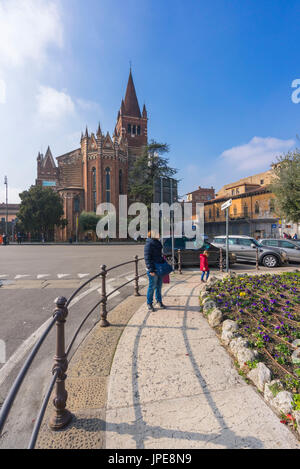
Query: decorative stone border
x,y
279,400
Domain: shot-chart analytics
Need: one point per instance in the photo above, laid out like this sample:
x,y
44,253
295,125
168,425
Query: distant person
x,y
295,236
4,239
19,238
204,266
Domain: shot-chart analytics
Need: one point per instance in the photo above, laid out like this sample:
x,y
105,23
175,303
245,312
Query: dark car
x,y
191,256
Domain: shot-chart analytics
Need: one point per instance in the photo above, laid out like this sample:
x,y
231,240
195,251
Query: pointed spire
x,y
132,107
122,110
99,133
145,115
49,158
86,132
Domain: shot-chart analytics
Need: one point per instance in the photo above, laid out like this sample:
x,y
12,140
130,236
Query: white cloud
x,y
2,91
87,105
13,194
27,29
53,104
258,153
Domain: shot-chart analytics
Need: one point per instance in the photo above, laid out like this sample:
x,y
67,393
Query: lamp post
x,y
6,221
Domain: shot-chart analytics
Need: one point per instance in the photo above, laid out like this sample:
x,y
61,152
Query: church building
x,y
97,171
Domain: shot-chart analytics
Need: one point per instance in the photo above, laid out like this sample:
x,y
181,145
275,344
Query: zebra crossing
x,y
59,276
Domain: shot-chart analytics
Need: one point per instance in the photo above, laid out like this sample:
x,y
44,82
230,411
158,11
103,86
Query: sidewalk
x,y
171,385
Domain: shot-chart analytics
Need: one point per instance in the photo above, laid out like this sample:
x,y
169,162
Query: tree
x,y
149,166
88,221
286,185
41,210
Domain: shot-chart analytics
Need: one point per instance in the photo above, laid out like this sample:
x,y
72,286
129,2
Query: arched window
x,y
107,183
218,212
76,205
245,210
120,182
209,213
256,208
94,190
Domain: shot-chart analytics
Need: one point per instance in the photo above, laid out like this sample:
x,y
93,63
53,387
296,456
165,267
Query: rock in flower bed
x,y
266,309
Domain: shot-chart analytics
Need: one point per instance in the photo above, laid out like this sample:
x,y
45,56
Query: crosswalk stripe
x,y
63,275
40,276
83,275
17,277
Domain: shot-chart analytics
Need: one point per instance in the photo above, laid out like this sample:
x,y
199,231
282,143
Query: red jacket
x,y
203,263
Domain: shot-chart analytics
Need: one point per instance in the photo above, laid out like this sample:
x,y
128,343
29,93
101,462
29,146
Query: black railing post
x,y
136,287
61,416
103,307
179,262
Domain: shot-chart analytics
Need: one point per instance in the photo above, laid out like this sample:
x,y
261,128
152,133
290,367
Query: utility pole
x,y
226,206
6,220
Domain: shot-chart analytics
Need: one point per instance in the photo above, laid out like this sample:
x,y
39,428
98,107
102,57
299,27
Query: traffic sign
x,y
226,205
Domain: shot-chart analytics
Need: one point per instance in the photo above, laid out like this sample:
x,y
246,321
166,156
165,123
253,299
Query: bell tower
x,y
131,124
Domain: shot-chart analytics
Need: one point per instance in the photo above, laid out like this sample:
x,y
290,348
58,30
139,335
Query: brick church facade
x,y
97,171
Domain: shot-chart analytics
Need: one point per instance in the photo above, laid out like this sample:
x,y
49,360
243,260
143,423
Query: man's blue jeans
x,y
155,284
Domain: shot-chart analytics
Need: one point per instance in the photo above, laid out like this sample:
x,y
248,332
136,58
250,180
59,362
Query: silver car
x,y
290,246
245,248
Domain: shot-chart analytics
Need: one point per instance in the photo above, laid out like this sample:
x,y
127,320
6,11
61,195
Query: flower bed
x,y
267,310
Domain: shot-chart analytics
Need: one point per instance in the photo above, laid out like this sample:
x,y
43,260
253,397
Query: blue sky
x,y
216,78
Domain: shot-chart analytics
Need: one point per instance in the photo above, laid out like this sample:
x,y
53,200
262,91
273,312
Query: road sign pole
x,y
172,227
227,240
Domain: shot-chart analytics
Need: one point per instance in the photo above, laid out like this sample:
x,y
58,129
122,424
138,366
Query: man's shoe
x,y
161,305
150,308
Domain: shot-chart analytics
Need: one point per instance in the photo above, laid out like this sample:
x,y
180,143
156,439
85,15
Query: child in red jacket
x,y
204,265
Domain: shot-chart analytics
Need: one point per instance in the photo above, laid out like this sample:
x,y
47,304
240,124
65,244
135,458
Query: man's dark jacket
x,y
153,253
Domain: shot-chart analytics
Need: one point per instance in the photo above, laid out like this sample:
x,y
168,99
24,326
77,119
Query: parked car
x,y
291,247
244,247
191,256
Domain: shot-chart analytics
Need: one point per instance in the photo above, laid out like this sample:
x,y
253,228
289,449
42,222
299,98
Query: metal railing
x,y
61,415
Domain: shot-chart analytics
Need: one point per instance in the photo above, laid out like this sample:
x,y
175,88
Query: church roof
x,y
48,160
132,107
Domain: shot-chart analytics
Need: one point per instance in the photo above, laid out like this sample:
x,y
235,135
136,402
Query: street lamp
x,y
6,221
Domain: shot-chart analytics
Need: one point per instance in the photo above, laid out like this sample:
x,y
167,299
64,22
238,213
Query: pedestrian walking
x,y
4,239
295,236
154,259
204,265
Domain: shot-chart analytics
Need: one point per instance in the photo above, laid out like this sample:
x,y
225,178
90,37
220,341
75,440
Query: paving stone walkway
x,y
169,384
